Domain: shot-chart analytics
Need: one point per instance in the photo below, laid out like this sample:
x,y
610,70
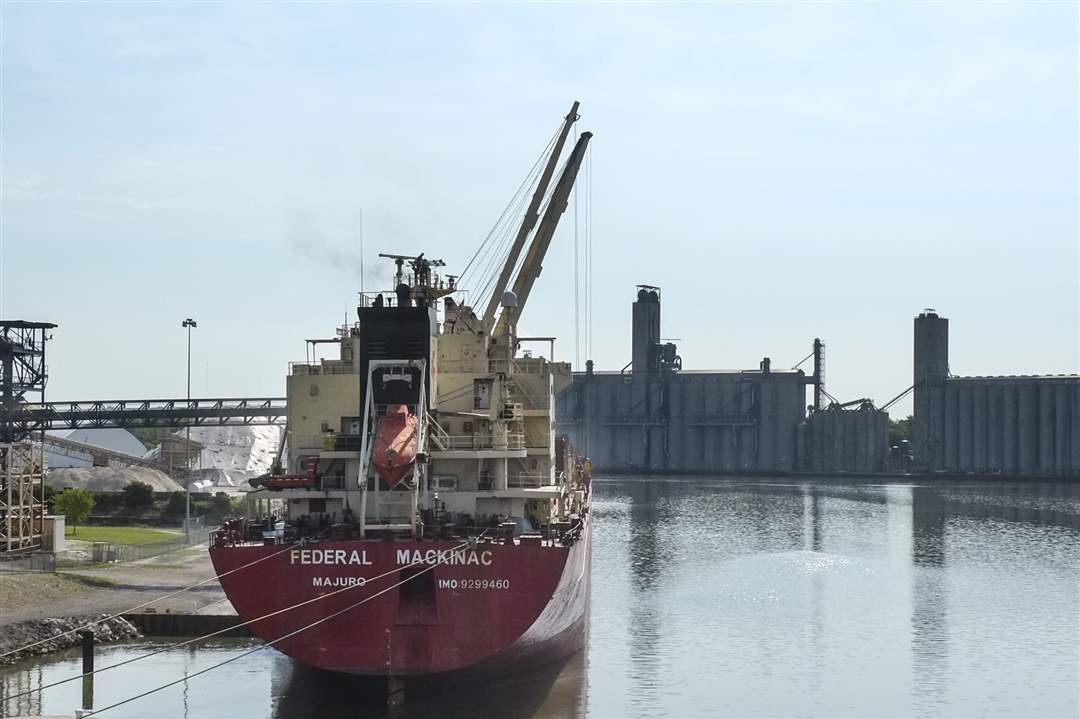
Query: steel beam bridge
x,y
98,456
31,417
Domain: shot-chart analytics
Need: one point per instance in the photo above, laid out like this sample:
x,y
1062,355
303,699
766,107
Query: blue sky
x,y
782,171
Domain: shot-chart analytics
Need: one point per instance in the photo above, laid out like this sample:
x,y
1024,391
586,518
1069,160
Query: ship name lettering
x,y
338,581
437,556
329,556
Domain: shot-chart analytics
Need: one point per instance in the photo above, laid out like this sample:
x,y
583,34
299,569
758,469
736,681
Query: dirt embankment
x,y
41,636
38,605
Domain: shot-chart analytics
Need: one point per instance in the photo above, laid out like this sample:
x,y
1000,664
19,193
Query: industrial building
x,y
847,437
654,416
1017,425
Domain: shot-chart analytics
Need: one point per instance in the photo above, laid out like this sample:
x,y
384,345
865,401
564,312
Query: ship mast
x,y
529,221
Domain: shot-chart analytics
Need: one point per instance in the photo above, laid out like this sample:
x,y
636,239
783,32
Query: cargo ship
x,y
422,518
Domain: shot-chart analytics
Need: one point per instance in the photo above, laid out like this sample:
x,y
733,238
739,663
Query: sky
x,y
782,171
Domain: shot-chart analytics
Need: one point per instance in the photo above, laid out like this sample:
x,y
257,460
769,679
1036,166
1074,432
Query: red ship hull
x,y
494,607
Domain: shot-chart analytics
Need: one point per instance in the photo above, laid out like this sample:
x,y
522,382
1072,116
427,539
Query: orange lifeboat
x,y
395,444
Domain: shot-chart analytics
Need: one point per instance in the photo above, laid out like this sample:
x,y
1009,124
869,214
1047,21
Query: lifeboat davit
x,y
395,444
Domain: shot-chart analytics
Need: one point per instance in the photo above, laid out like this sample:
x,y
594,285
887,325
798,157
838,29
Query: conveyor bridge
x,y
31,417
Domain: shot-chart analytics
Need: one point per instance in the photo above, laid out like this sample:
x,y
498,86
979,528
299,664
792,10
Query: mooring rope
x,y
447,553
144,604
281,638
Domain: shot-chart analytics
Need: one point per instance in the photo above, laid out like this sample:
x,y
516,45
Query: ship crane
x,y
533,263
529,221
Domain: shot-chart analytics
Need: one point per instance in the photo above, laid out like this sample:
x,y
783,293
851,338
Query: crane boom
x,y
533,264
529,221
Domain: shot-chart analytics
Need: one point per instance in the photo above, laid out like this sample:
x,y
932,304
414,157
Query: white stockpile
x,y
109,479
232,455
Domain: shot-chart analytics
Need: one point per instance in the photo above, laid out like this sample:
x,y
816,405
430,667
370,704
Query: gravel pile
x,y
20,634
109,479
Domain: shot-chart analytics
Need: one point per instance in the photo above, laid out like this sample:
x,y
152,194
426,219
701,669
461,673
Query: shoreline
x,y
59,633
41,605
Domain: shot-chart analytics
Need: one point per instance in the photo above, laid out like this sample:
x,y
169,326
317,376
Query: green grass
x,y
120,535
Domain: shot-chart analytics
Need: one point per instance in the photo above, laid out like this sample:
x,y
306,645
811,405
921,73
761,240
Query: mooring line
x,y
145,604
166,648
279,639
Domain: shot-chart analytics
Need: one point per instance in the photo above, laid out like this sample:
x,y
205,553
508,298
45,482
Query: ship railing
x,y
531,402
527,480
319,368
381,409
537,440
300,442
533,365
242,533
436,434
389,299
464,366
541,400
476,441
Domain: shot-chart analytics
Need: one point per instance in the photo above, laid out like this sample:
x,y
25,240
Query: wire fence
x,y
99,553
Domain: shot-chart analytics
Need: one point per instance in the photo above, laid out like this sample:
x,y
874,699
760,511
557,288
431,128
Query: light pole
x,y
188,323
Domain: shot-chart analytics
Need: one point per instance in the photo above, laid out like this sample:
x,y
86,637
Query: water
x,y
741,599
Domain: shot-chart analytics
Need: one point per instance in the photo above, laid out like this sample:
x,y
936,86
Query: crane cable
x,y
543,210
110,617
241,624
803,360
588,253
576,271
503,255
896,399
500,250
275,641
524,183
509,204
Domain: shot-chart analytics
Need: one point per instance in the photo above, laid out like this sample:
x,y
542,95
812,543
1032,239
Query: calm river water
x,y
727,598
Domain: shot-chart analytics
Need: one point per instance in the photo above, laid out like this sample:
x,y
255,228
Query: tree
x,y
899,429
223,506
75,504
149,436
177,503
138,494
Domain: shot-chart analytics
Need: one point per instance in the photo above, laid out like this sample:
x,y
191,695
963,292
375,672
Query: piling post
x,y
87,636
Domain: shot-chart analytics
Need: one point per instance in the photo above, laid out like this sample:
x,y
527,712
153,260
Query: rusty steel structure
x,y
23,374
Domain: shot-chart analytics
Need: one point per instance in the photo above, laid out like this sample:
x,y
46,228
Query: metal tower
x,y
22,454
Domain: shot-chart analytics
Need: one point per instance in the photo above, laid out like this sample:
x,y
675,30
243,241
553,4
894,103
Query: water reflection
x,y
929,635
743,598
649,554
300,692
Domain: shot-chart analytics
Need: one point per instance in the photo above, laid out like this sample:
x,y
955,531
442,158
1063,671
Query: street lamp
x,y
188,323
